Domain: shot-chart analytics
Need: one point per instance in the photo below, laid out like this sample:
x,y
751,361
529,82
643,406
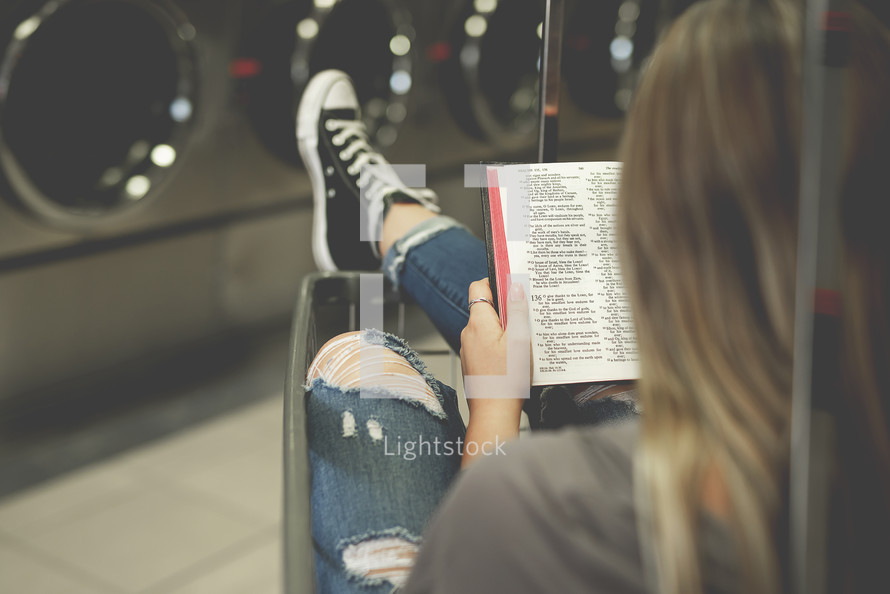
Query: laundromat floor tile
x,y
66,497
147,538
249,480
196,511
26,572
263,422
188,452
255,570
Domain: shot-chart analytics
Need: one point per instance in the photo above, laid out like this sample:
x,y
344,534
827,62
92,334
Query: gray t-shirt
x,y
556,514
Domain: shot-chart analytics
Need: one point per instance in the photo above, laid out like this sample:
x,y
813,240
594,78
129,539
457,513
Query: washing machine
x,y
97,111
136,209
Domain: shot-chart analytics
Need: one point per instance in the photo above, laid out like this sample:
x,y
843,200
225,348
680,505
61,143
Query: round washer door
x,y
96,100
491,79
607,45
371,40
591,73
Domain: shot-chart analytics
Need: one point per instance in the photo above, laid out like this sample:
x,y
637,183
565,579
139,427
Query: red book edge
x,y
498,244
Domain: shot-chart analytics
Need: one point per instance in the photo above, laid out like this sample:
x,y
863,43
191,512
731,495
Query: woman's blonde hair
x,y
708,228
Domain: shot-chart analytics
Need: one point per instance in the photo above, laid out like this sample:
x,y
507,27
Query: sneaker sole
x,y
307,142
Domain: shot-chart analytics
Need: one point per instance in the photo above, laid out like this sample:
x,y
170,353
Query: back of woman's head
x,y
708,224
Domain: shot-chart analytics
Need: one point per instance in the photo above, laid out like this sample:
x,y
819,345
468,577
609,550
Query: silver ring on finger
x,y
478,299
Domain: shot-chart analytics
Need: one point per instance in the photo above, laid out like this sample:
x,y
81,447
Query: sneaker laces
x,y
376,177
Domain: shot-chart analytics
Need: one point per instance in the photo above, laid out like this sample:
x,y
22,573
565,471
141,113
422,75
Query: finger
x,y
518,334
517,314
482,311
479,289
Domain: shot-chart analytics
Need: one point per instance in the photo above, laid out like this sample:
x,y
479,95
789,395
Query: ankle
x,y
401,218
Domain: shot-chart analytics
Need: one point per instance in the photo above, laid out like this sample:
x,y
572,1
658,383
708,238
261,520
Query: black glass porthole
x,y
590,74
606,47
96,97
371,40
491,78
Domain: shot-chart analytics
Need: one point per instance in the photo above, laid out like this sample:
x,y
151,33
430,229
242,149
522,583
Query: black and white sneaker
x,y
352,184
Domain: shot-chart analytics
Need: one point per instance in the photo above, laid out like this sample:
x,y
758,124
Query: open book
x,y
551,226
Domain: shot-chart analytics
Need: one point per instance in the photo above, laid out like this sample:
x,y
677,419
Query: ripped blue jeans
x,y
434,264
382,463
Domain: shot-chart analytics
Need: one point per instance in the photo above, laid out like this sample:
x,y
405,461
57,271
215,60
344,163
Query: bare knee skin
x,y
349,362
378,559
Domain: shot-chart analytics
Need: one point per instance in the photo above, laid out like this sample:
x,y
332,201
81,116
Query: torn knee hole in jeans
x,y
350,429
350,362
375,429
348,424
379,558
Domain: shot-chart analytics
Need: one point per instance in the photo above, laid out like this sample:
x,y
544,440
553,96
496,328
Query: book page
x,y
564,239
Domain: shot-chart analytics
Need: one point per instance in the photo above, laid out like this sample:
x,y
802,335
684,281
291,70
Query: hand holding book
x,y
495,361
495,365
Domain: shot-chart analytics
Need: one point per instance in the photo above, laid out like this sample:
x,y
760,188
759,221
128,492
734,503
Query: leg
x,y
431,257
400,219
379,433
352,184
435,263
